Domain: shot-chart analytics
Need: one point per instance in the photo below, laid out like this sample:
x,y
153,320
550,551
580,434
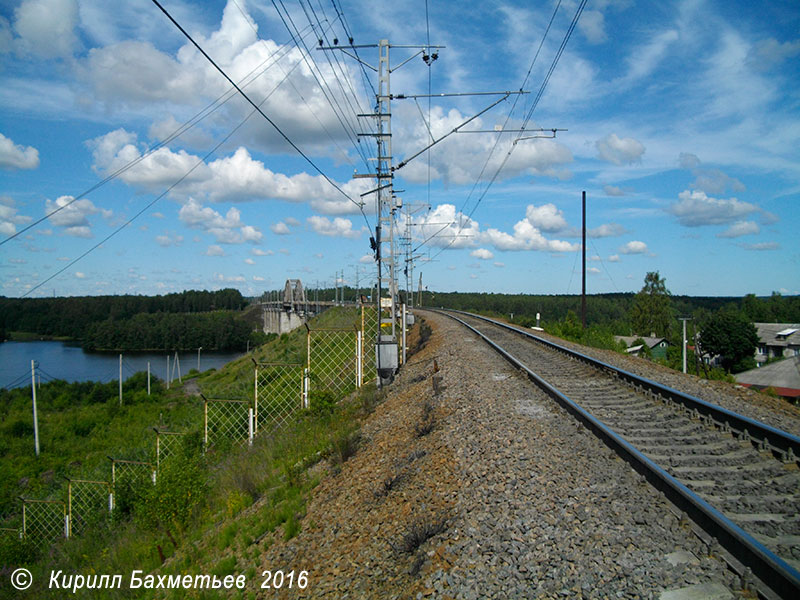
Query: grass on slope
x,y
207,512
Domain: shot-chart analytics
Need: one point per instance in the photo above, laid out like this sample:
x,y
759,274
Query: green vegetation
x,y
71,317
218,330
652,310
80,425
651,313
731,335
612,310
207,513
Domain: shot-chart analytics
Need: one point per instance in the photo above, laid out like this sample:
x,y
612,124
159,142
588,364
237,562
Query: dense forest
x,y
614,310
218,330
71,317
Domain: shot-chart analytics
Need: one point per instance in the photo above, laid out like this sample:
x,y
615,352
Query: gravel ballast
x,y
471,483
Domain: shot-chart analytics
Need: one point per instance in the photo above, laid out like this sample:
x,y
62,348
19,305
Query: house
x,y
657,345
777,340
783,376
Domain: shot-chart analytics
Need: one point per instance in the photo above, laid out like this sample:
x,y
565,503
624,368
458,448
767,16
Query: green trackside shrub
x,y
236,501
21,428
180,489
15,552
321,402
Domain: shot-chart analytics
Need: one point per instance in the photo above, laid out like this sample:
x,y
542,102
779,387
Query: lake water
x,y
62,360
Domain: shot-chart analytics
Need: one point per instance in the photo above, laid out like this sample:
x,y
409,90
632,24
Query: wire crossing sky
x,y
682,125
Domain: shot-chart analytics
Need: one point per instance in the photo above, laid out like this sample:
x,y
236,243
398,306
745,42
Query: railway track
x,y
734,477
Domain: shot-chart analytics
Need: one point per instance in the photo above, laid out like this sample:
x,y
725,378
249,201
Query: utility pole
x,y
583,262
683,344
35,416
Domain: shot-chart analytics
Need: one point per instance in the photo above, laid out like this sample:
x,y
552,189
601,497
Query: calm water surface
x,y
62,360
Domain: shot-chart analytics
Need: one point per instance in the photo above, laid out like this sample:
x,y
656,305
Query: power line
x,y
197,118
514,105
164,193
309,27
542,88
258,109
324,87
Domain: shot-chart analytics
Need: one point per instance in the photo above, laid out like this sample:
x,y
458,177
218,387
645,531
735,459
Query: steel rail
x,y
747,429
774,573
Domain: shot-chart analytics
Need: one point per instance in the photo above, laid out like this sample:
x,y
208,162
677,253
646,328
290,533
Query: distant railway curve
x,y
735,477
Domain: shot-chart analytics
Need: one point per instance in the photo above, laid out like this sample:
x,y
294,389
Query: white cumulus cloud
x,y
546,217
482,253
46,28
13,156
739,229
634,247
9,219
280,228
695,209
227,230
74,217
338,227
235,178
619,151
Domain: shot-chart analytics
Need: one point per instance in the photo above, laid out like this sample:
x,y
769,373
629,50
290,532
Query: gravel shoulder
x,y
507,495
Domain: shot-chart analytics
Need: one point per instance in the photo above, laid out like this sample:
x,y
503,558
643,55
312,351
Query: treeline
x,y
614,310
71,317
218,330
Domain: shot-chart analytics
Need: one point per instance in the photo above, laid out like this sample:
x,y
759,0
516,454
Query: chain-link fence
x,y
44,521
333,360
278,393
10,533
88,503
167,444
338,361
226,420
369,333
135,472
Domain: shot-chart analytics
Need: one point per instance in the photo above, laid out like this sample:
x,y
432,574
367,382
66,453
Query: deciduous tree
x,y
651,312
731,335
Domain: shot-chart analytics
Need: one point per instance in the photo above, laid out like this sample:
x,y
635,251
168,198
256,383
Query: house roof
x,y
783,375
778,334
651,342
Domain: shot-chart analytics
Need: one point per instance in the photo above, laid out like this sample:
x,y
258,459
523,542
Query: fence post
x,y
205,425
305,388
255,397
66,523
404,333
358,359
24,519
69,507
308,348
250,426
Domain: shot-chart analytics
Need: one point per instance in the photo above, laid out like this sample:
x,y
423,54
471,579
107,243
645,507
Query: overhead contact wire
x,y
197,118
256,106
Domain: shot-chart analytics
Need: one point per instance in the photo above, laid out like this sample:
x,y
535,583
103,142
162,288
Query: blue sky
x,y
682,119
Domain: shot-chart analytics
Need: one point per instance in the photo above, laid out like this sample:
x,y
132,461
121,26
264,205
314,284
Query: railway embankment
x,y
469,482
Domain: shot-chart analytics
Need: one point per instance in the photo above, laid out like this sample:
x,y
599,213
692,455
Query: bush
x,y
321,401
345,445
21,428
179,490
